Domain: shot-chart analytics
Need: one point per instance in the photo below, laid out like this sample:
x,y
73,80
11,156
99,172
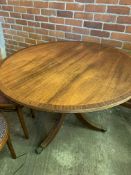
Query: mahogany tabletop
x,y
67,77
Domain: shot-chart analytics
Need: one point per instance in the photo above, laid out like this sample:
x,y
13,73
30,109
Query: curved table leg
x,y
89,124
51,135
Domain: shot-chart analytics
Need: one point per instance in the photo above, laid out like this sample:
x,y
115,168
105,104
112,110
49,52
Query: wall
x,y
0,56
32,22
2,42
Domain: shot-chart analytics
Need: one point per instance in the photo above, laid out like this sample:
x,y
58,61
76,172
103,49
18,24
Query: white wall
x,y
2,43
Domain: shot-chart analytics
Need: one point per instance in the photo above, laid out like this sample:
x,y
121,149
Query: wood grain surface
x,y
67,77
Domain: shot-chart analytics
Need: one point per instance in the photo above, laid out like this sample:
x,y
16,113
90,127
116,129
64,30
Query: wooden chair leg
x,y
32,113
22,121
10,146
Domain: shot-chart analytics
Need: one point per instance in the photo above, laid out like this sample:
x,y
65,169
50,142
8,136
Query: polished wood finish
x,y
7,105
5,137
51,135
67,77
53,132
22,121
11,107
89,124
11,148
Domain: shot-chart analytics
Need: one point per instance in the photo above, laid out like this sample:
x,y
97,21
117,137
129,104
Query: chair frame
x,y
18,109
7,140
10,147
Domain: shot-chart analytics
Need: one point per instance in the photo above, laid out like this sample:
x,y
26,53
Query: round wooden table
x,y
67,77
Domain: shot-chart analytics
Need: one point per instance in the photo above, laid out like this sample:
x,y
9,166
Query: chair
x,y
5,137
7,105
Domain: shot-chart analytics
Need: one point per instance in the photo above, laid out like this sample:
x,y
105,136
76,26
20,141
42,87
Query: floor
x,y
76,150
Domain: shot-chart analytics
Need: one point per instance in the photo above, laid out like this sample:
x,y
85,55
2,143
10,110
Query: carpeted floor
x,y
76,150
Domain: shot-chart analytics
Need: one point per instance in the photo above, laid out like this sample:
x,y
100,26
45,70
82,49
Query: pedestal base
x,y
89,124
53,131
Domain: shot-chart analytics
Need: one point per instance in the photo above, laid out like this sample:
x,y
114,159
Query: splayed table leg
x,y
88,123
51,135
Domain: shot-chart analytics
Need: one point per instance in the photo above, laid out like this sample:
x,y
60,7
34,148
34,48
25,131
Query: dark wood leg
x,y
89,124
127,104
51,135
32,113
22,122
10,146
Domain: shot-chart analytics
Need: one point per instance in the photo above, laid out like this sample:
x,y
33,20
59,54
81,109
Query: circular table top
x,y
67,77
